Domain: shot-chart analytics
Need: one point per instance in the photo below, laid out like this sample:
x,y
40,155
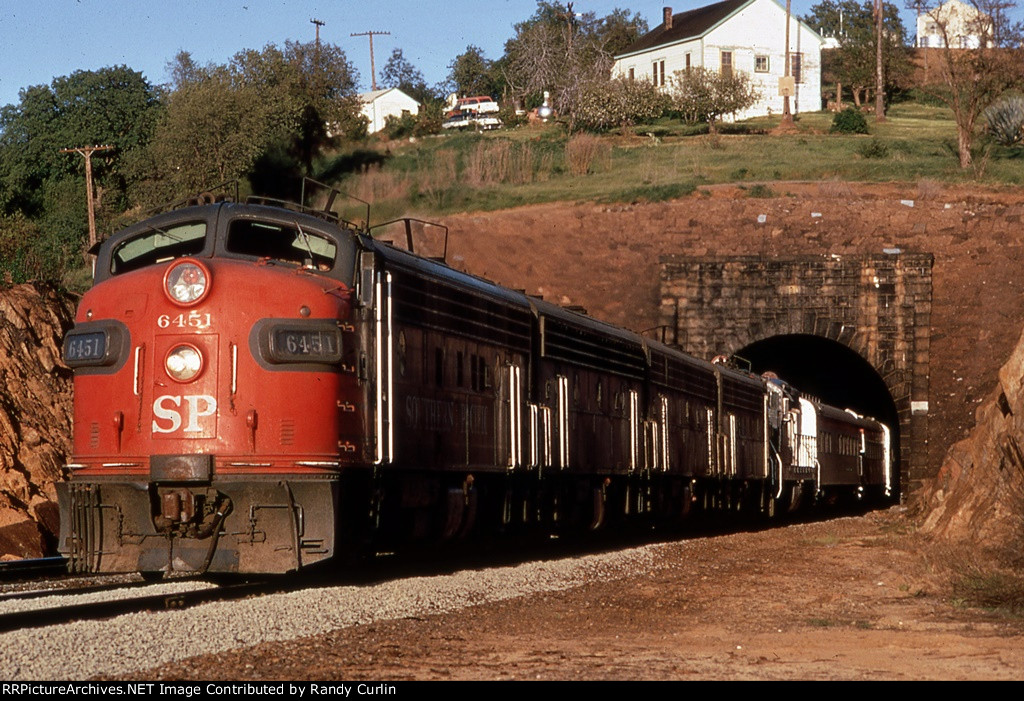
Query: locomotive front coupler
x,y
188,512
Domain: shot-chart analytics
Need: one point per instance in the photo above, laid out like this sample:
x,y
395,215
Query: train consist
x,y
262,388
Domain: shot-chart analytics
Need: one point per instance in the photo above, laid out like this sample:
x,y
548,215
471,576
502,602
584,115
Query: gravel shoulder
x,y
853,598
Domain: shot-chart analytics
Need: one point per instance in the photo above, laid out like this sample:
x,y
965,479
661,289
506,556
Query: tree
x,y
619,29
217,124
703,95
42,191
851,23
400,73
470,73
113,106
276,106
972,79
564,52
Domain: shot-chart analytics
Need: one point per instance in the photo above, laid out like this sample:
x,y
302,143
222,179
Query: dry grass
x,y
978,577
377,185
499,161
585,153
438,176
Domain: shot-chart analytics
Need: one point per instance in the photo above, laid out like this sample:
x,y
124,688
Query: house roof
x,y
686,25
368,97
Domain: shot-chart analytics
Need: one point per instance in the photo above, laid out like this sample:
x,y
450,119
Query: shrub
x,y
874,149
603,105
760,191
849,121
702,95
1006,121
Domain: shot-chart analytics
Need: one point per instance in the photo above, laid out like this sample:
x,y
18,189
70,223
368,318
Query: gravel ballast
x,y
136,642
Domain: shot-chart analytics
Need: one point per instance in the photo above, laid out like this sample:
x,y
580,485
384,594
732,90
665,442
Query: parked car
x,y
482,104
469,119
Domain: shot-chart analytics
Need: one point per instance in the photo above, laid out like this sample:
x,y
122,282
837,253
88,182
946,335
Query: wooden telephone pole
x,y
319,23
373,68
87,151
879,76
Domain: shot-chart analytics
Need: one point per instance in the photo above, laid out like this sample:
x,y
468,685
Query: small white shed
x,y
378,105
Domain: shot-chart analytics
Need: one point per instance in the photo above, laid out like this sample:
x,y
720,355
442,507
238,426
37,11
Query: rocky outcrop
x,y
978,494
35,416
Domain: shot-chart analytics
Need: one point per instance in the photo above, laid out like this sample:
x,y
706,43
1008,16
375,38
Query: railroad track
x,y
15,570
39,616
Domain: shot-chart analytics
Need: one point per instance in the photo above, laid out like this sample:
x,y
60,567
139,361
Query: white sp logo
x,y
196,407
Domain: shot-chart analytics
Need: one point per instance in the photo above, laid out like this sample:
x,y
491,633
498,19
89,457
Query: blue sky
x,y
44,39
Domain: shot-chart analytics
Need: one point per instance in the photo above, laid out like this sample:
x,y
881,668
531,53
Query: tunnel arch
x,y
827,370
868,315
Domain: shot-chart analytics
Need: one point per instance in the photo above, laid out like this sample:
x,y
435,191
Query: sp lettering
x,y
187,414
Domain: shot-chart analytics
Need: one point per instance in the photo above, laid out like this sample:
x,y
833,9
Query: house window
x,y
726,69
632,74
760,64
687,61
795,66
659,73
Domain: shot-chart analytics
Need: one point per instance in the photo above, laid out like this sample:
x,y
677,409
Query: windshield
x,y
289,243
158,245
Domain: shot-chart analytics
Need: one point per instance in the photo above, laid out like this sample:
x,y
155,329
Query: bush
x,y
849,121
874,149
1006,121
428,121
703,95
603,105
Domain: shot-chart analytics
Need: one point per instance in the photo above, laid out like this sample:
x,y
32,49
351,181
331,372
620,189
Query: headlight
x,y
184,363
186,282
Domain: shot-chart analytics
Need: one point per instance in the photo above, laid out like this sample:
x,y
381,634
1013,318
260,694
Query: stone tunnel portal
x,y
852,330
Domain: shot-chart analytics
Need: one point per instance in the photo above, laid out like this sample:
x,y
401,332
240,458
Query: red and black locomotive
x,y
261,388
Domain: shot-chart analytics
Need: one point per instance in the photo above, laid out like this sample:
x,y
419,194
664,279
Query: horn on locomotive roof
x,y
408,234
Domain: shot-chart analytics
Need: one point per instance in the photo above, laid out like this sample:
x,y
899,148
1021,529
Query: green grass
x,y
667,160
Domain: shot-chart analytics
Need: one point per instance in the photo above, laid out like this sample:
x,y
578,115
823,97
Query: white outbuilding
x,y
378,105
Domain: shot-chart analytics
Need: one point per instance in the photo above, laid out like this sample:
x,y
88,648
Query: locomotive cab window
x,y
157,246
281,242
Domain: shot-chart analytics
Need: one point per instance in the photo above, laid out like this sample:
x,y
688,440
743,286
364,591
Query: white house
x,y
732,35
378,105
963,25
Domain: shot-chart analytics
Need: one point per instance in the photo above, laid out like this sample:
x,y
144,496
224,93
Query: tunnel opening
x,y
831,372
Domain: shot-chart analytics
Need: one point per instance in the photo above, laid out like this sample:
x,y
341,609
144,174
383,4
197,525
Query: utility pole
x,y
87,151
787,115
879,80
373,68
318,23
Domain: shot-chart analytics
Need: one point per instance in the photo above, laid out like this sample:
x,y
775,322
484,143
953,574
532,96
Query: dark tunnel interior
x,y
828,370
